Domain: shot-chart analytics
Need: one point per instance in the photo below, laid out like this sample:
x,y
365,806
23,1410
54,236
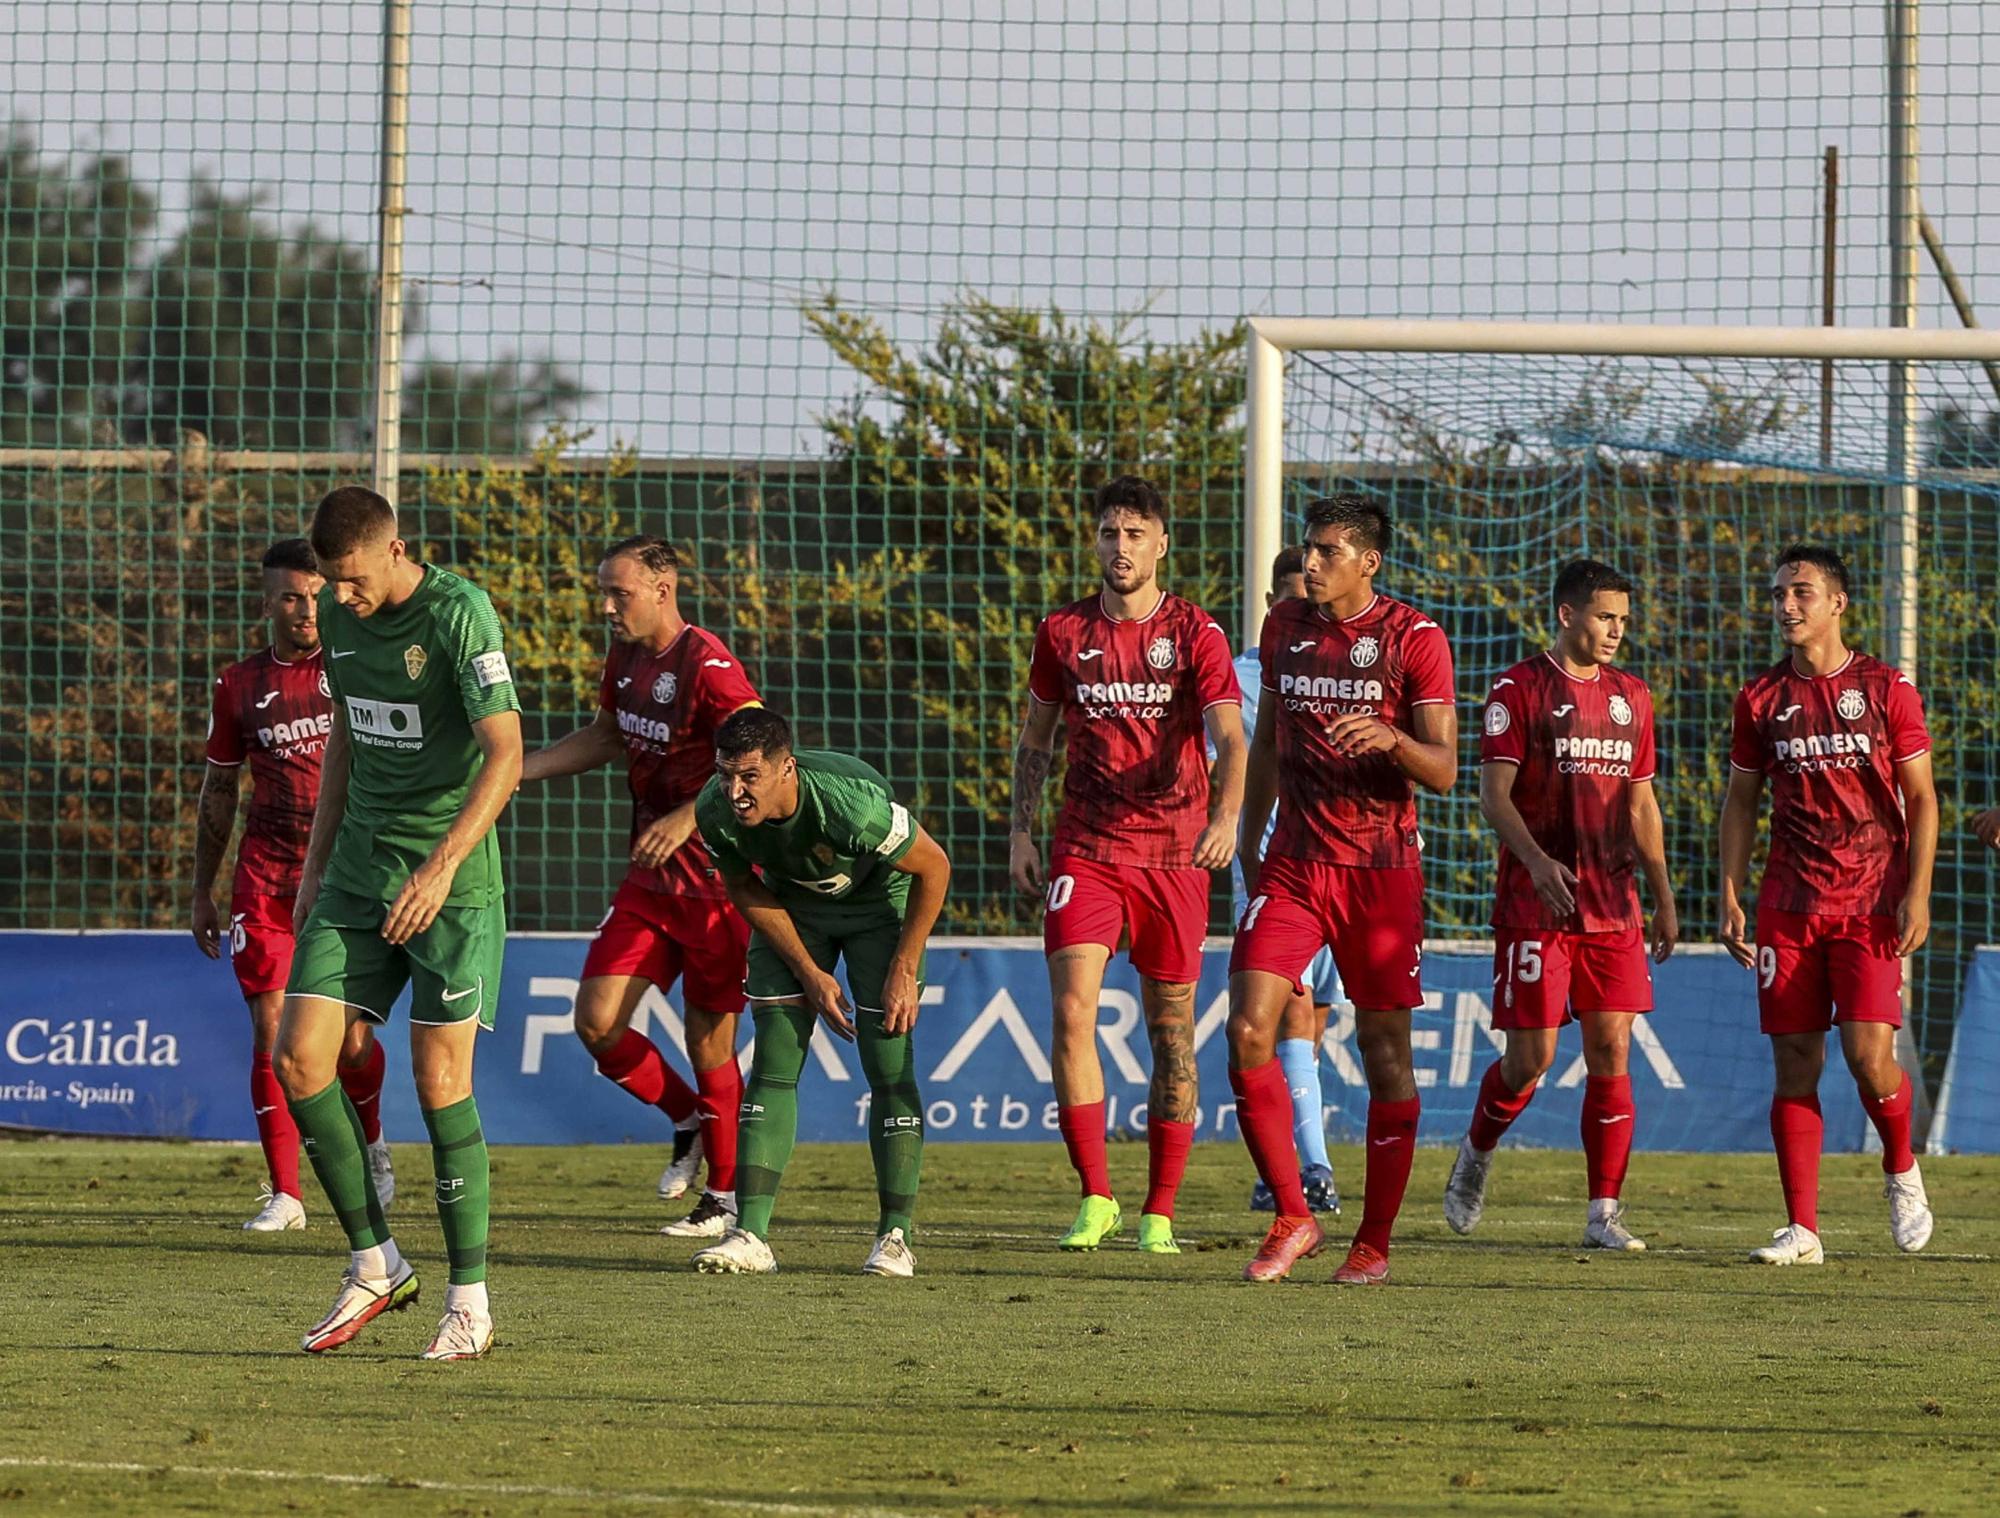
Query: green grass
x,y
1509,1373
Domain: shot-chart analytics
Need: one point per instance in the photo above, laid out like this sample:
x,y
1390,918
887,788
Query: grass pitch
x,y
149,1360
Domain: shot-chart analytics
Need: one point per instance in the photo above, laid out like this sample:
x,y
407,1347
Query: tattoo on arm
x,y
1031,774
215,817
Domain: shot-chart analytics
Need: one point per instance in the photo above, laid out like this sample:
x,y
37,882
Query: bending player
x,y
826,866
402,887
273,711
1303,1025
1357,710
1566,780
667,686
1135,674
1847,887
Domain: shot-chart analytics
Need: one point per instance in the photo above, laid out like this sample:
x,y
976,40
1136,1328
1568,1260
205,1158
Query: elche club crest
x,y
1497,719
1621,711
414,659
1365,652
1160,653
664,688
1852,704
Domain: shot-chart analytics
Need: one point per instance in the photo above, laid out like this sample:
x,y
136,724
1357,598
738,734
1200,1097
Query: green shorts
x,y
452,967
867,948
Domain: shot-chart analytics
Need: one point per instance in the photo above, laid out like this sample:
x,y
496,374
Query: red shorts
x,y
1541,976
1164,912
1814,971
1372,919
260,942
659,935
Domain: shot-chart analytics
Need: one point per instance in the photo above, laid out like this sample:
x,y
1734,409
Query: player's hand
x,y
416,905
1217,844
1986,827
900,997
206,925
652,848
1913,924
1734,934
1357,733
1666,931
830,1004
1554,883
1024,864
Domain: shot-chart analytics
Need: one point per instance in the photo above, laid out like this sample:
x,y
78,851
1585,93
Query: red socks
x,y
721,1096
1264,1113
363,1085
1166,1162
1796,1132
1607,1132
634,1063
1495,1109
1082,1127
1392,1145
1891,1117
275,1129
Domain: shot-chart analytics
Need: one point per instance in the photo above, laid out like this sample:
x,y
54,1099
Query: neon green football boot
x,y
1156,1234
1097,1219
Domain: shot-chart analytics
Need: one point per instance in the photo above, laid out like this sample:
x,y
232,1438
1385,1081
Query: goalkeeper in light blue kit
x,y
1304,1021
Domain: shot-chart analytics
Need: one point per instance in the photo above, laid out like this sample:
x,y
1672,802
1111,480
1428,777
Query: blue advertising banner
x,y
135,1033
1966,1118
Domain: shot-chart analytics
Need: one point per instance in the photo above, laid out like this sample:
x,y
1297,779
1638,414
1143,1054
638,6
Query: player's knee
x,y
1524,1064
300,1077
598,1026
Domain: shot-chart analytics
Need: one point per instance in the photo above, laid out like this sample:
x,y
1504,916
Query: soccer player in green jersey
x,y
401,886
825,865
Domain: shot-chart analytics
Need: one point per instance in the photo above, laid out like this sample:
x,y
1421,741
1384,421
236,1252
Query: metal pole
x,y
1905,213
1961,298
1828,308
1263,475
389,246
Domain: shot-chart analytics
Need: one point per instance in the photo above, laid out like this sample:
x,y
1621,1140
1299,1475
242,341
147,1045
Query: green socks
x,y
768,1124
330,1133
895,1122
458,1155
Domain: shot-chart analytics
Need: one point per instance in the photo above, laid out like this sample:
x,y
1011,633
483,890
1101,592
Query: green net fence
x,y
858,308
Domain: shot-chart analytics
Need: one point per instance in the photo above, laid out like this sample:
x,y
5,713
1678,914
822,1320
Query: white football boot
x,y
1465,1192
891,1256
1791,1245
281,1213
684,1166
1606,1230
461,1335
712,1217
383,1171
359,1303
1910,1220
737,1253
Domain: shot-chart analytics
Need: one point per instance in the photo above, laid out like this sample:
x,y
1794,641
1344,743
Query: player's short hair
x,y
654,554
1827,561
1366,521
290,553
753,730
1131,493
1580,579
1289,562
348,517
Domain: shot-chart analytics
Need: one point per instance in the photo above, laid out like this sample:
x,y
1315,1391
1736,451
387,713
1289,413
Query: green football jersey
x,y
410,681
830,861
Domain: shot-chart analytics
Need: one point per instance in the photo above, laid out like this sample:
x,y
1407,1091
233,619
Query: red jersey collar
x,y
272,650
1106,613
1792,668
1373,601
1579,679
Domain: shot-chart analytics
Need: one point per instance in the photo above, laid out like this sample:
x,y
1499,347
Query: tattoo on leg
x,y
1175,1088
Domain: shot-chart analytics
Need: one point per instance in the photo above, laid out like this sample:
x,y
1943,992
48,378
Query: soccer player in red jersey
x,y
1135,675
1566,779
273,711
1846,890
667,686
1357,710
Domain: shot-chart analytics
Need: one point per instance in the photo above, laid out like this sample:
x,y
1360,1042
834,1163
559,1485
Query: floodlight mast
x,y
1270,338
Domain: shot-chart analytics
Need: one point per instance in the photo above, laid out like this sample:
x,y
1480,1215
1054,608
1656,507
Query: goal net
x,y
1687,471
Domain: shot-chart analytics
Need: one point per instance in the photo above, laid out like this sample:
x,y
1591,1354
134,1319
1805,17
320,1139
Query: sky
x,y
649,192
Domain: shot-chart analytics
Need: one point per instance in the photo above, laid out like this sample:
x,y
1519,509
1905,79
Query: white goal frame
x,y
1271,338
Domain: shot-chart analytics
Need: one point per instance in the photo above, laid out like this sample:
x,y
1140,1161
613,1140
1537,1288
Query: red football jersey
x,y
1133,693
1581,745
667,707
1830,745
1387,659
277,716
